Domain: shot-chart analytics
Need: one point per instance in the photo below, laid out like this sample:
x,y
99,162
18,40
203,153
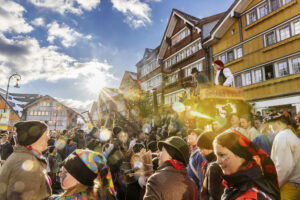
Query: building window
x,y
180,36
286,1
199,46
230,56
269,72
252,16
193,49
248,80
222,58
200,66
283,68
284,33
183,54
188,52
263,10
173,60
238,81
257,76
296,65
270,38
239,52
296,26
275,4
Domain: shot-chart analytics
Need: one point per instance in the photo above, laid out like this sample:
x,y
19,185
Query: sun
x,y
95,83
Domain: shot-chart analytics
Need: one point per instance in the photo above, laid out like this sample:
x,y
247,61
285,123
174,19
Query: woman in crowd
x,y
212,188
85,176
249,173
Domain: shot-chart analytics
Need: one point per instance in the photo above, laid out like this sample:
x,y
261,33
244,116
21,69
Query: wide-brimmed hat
x,y
177,148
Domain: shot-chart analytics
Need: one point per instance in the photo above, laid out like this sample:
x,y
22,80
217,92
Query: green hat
x,y
177,148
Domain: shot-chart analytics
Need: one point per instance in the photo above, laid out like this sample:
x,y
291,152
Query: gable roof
x,y
189,19
17,101
230,16
148,53
48,97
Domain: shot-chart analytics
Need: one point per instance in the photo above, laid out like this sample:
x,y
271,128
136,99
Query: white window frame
x,y
236,51
287,67
275,38
259,9
293,24
246,73
222,57
255,75
249,14
286,27
292,64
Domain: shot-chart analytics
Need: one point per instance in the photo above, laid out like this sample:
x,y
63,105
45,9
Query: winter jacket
x,y
197,165
168,183
264,142
25,176
69,149
5,150
212,188
249,184
286,157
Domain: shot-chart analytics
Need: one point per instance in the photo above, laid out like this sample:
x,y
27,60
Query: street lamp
x,y
16,86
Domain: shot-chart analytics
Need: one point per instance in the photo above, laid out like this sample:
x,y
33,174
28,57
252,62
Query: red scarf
x,y
30,148
176,164
192,147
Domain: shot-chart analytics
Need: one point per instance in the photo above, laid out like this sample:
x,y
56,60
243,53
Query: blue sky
x,y
70,50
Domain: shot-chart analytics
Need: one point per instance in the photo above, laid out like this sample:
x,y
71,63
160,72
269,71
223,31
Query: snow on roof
x,y
18,101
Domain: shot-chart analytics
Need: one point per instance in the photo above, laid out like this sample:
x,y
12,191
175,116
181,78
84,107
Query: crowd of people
x,y
246,158
236,155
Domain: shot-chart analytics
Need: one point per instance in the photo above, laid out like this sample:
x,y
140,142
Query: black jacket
x,y
240,184
5,150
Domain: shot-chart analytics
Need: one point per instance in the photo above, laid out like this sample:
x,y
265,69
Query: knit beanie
x,y
177,148
86,165
219,62
28,132
205,140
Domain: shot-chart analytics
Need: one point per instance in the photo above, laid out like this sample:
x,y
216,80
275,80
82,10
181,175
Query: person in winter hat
x,y
249,173
171,181
85,175
24,174
223,76
286,154
212,182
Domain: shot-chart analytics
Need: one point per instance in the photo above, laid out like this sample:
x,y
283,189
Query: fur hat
x,y
177,148
28,132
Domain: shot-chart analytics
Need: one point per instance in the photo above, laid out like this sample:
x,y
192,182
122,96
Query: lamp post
x,y
16,86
